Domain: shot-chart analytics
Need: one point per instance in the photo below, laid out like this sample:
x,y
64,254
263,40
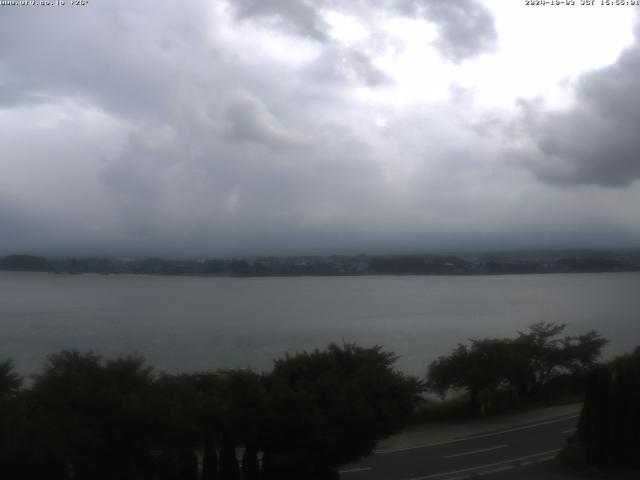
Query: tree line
x,y
89,418
540,363
84,417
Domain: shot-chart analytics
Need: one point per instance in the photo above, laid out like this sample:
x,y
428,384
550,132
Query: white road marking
x,y
481,467
354,470
466,439
571,430
476,451
496,470
545,459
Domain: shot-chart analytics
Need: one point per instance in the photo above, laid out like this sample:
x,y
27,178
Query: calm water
x,y
192,323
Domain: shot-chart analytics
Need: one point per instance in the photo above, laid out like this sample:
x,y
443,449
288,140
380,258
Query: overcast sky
x,y
317,126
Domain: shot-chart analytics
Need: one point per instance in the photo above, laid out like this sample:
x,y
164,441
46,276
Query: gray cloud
x,y
300,17
209,194
117,54
304,18
466,27
363,67
596,141
339,66
166,134
250,120
18,223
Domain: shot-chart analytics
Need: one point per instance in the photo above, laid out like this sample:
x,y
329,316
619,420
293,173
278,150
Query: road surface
x,y
486,455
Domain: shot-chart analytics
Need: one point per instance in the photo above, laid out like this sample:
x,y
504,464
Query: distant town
x,y
461,264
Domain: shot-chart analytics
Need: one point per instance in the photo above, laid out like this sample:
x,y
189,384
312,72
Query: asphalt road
x,y
490,455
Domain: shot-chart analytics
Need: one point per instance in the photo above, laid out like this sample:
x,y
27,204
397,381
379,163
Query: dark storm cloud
x,y
466,27
595,142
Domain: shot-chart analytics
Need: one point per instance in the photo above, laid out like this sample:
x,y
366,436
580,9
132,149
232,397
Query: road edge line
x,y
473,437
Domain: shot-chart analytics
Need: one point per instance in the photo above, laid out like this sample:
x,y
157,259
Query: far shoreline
x,y
311,275
491,264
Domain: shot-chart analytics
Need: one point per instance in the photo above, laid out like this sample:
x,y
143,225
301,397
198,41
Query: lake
x,y
199,323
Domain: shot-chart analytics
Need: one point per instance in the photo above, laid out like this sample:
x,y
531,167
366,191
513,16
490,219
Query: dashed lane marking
x,y
355,470
472,452
496,470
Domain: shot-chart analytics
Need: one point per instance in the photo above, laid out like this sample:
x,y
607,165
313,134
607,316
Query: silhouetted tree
x,y
187,465
522,366
13,436
609,426
87,418
543,354
10,381
250,464
178,430
229,467
330,407
209,458
482,365
95,415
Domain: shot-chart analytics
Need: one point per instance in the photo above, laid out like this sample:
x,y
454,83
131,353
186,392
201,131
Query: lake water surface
x,y
197,323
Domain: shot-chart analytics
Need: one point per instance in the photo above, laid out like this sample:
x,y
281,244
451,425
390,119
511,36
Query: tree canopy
x,y
90,418
334,405
10,381
523,365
